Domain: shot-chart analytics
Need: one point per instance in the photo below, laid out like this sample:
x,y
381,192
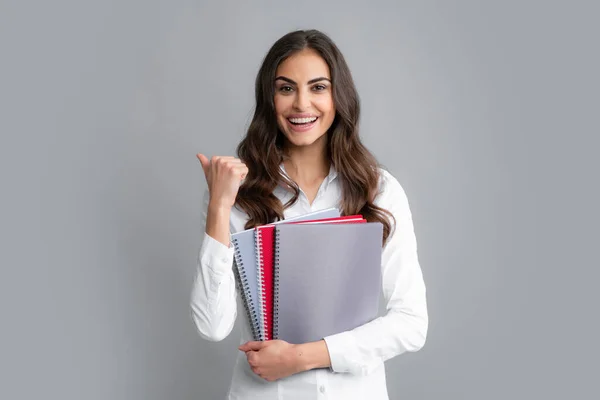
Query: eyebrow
x,y
314,80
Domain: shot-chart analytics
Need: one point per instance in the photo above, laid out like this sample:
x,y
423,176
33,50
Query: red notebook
x,y
265,244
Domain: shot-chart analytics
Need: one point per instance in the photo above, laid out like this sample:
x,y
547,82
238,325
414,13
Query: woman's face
x,y
303,98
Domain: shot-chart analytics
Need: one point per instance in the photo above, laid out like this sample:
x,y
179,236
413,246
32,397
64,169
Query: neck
x,y
306,165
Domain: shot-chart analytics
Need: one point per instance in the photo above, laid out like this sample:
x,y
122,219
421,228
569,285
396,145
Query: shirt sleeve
x,y
404,326
214,297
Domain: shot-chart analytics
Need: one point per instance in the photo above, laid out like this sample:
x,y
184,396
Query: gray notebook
x,y
246,270
327,279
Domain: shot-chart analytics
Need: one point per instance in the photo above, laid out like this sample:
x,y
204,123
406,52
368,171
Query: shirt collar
x,y
330,177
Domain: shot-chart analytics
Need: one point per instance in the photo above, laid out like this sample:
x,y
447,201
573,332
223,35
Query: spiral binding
x,y
276,287
242,279
261,287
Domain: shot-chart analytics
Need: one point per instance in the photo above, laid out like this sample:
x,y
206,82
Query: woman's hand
x,y
223,176
272,359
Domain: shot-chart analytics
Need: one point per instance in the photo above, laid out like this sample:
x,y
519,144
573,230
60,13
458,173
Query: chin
x,y
304,140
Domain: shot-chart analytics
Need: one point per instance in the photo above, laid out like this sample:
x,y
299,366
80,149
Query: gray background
x,y
487,113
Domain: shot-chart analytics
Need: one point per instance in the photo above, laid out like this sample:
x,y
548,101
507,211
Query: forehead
x,y
303,66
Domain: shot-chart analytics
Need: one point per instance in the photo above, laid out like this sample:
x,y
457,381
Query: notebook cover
x,y
245,268
245,274
265,245
327,279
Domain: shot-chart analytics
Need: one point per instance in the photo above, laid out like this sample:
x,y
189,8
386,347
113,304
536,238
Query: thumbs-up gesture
x,y
223,176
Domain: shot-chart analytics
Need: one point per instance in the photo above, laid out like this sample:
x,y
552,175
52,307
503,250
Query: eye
x,y
319,87
285,89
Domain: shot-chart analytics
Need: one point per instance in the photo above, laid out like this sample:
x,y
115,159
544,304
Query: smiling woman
x,y
304,75
302,153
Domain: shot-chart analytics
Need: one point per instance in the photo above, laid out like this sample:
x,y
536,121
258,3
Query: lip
x,y
304,115
302,128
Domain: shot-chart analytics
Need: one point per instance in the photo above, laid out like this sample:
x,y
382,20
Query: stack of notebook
x,y
308,277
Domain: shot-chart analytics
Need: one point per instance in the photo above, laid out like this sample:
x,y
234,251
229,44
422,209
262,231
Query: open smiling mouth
x,y
302,121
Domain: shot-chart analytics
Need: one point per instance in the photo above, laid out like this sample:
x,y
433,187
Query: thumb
x,y
204,161
252,346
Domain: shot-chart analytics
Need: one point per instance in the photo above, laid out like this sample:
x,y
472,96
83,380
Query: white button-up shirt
x,y
357,356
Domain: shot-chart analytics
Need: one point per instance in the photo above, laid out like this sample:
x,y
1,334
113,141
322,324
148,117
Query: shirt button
x,y
322,389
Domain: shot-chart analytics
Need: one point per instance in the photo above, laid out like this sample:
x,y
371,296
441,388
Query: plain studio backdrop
x,y
485,111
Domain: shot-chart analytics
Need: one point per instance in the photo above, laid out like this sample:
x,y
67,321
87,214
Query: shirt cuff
x,y
216,255
340,347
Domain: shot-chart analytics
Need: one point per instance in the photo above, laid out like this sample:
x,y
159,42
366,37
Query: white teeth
x,y
302,120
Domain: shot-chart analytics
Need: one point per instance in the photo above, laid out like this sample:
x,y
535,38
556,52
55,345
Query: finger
x,y
222,159
252,357
244,347
232,163
253,346
242,171
204,161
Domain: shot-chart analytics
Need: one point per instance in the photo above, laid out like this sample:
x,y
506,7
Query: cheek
x,y
325,105
281,105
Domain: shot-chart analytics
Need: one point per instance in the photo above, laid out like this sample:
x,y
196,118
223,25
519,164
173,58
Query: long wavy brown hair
x,y
262,149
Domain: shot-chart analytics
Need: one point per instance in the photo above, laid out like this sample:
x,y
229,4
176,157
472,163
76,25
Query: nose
x,y
302,100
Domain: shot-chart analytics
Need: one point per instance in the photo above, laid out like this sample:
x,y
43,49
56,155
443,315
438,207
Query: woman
x,y
302,153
